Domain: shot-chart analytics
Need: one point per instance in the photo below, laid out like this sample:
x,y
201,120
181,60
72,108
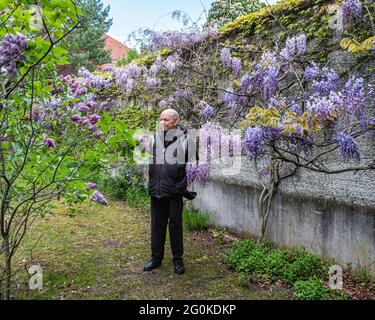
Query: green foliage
x,y
263,262
86,44
132,55
194,220
127,185
136,117
313,289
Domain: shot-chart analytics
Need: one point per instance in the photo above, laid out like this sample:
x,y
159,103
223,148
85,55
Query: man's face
x,y
167,121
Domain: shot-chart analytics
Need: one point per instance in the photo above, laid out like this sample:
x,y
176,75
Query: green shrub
x,y
128,186
194,220
264,262
276,265
311,289
239,250
304,266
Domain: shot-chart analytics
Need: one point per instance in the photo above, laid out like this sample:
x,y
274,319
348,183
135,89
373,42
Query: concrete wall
x,y
322,213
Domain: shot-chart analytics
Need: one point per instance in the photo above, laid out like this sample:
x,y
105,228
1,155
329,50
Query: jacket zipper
x,y
159,173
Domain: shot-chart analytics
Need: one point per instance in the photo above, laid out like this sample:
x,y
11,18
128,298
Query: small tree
x,y
223,11
53,135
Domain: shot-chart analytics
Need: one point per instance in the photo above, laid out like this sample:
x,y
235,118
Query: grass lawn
x,y
99,254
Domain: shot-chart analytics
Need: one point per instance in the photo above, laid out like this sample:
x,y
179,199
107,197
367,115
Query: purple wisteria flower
x,y
229,98
84,121
180,94
295,46
226,58
245,82
172,62
207,111
351,9
98,197
49,142
98,134
94,118
210,32
152,82
125,76
83,108
298,143
38,114
295,107
253,142
93,127
268,60
257,77
354,95
92,80
129,86
133,70
230,145
269,84
311,72
154,69
325,107
91,185
328,82
347,146
11,48
75,118
170,65
209,141
198,173
272,133
236,66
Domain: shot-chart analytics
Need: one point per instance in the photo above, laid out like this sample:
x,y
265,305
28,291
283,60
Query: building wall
x,y
118,50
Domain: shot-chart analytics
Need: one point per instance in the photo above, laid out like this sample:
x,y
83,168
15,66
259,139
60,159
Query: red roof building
x,y
118,50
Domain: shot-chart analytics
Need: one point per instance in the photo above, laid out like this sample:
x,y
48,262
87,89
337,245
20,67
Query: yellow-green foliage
x,y
270,117
149,59
136,117
355,46
281,10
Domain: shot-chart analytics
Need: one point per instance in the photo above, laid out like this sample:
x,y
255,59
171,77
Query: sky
x,y
131,15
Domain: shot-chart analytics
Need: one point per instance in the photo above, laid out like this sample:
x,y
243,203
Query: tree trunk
x,y
262,223
265,207
8,268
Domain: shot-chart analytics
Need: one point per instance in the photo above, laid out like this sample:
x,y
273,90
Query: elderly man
x,y
167,186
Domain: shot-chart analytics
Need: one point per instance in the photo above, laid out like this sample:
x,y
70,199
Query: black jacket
x,y
167,170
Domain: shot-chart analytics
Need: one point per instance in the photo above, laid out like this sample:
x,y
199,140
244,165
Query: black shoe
x,y
151,265
179,267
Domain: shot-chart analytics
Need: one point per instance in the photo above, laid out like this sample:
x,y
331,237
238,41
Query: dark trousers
x,y
166,210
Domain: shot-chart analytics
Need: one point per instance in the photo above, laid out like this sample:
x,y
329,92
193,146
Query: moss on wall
x,y
275,23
